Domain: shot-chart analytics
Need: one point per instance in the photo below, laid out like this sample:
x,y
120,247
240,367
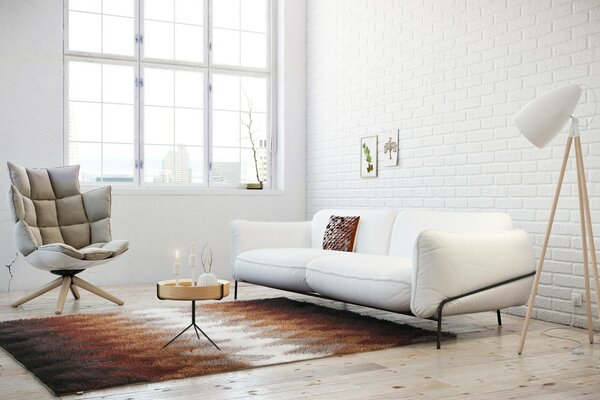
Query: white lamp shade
x,y
542,118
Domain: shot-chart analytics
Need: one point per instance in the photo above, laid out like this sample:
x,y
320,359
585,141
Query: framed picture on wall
x,y
368,157
390,148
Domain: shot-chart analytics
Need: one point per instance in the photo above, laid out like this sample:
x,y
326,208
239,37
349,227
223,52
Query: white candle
x,y
193,262
177,268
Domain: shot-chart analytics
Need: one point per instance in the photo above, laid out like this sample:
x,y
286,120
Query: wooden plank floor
x,y
481,364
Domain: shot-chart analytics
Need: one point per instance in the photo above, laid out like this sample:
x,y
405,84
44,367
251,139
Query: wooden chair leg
x,y
96,290
75,292
62,297
44,289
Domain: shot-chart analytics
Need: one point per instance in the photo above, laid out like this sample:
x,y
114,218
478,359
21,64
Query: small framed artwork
x,y
368,157
390,149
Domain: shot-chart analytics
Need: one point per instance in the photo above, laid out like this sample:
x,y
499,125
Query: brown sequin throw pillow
x,y
340,233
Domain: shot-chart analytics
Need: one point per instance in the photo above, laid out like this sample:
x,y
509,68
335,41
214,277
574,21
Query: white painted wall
x,y
31,119
450,75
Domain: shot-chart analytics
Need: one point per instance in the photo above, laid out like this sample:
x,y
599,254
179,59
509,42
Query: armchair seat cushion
x,y
114,248
96,253
64,249
117,247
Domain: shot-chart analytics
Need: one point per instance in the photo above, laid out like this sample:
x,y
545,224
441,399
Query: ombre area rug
x,y
83,352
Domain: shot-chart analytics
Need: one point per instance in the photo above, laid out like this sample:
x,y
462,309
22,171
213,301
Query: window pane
x,y
118,35
160,10
86,5
124,8
85,81
226,92
85,32
254,50
226,128
118,84
158,125
189,12
118,123
87,155
158,86
158,40
118,163
226,14
181,41
226,47
254,15
225,166
189,43
189,89
249,165
189,126
158,166
196,163
254,94
172,164
84,121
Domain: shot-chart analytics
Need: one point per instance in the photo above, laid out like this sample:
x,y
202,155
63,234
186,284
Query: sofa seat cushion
x,y
283,268
364,279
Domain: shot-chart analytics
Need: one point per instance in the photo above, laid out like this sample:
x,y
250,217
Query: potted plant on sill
x,y
258,185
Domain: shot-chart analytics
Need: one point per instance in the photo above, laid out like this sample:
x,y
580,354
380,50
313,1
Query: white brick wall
x,y
451,75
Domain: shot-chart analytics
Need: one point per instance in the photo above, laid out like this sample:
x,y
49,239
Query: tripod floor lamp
x,y
540,121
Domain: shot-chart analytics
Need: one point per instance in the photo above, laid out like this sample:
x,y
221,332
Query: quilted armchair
x,y
61,230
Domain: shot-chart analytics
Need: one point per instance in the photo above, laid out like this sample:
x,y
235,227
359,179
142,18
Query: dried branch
x,y
251,135
208,261
9,267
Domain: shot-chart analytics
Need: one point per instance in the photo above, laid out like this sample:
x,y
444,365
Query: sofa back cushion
x,y
373,234
410,223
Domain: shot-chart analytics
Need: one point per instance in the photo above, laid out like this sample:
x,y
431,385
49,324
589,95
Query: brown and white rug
x,y
91,351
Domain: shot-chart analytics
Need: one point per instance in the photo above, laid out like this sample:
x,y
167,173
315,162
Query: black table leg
x,y
196,328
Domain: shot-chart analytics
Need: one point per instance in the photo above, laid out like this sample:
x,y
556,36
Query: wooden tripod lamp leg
x,y
590,231
582,219
538,272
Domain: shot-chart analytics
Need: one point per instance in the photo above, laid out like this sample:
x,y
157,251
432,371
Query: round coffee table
x,y
166,290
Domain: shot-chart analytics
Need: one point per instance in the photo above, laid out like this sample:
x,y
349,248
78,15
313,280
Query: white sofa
x,y
416,262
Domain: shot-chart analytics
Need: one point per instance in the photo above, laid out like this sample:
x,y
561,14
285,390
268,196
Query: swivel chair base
x,y
68,281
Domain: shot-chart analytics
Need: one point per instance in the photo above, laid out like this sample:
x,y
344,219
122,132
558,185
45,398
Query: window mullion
x,y
139,156
208,136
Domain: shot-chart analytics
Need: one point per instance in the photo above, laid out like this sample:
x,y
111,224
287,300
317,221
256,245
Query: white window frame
x,y
139,63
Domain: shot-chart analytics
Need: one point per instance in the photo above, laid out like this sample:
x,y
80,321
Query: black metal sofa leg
x,y
439,325
235,290
499,317
439,334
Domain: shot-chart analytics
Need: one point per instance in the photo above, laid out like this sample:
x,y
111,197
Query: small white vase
x,y
207,279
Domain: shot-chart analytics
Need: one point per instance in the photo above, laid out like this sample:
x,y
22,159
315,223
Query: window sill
x,y
184,191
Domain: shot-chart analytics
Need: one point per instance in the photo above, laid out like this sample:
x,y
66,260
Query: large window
x,y
162,92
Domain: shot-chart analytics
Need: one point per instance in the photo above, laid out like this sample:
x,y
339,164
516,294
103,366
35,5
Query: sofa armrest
x,y
249,235
448,264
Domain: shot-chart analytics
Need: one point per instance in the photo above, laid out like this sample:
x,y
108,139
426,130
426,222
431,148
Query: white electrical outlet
x,y
576,299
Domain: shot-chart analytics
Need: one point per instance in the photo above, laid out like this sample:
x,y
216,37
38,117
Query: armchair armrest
x,y
448,264
248,235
